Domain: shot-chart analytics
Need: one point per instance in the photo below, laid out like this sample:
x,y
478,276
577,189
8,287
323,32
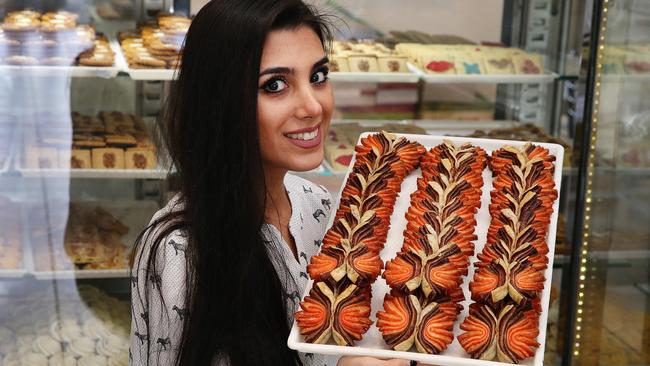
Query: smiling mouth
x,y
304,136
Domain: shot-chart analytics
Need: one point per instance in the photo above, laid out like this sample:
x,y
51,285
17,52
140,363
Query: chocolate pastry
x,y
341,312
349,259
509,274
508,335
407,321
438,237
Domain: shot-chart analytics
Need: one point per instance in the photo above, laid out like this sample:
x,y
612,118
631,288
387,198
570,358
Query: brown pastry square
x,y
121,140
80,159
363,64
140,158
392,64
108,158
41,158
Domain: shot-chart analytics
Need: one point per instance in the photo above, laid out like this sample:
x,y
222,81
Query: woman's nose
x,y
308,105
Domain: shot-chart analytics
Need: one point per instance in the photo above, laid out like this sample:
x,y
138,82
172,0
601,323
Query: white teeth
x,y
303,136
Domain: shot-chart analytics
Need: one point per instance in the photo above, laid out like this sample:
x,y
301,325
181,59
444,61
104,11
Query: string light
x,y
590,174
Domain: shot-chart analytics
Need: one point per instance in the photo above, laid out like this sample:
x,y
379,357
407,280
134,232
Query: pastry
x,y
406,322
363,64
339,302
509,274
438,242
80,159
62,360
92,360
47,345
41,158
499,63
508,335
108,158
470,64
122,140
341,312
140,158
392,64
527,64
339,64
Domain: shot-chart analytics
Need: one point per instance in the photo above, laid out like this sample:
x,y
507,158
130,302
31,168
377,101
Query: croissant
x,y
406,322
341,312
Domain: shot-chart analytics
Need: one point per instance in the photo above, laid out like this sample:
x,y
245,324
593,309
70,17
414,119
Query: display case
x,y
610,318
80,177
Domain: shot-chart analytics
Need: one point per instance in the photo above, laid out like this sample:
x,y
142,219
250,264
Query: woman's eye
x,y
319,77
275,86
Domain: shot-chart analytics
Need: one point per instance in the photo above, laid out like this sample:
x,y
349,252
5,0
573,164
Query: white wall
x,y
477,20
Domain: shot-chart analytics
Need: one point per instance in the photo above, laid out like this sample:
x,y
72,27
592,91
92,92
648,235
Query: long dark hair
x,y
233,292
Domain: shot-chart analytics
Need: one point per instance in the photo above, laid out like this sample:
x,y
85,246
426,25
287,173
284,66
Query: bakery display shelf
x,y
134,214
82,274
374,77
139,74
548,77
95,173
372,343
622,255
625,78
13,273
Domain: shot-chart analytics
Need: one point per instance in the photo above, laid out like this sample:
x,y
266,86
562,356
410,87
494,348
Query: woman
x,y
218,272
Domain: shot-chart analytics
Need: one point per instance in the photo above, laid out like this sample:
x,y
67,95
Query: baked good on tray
x,y
84,237
30,38
155,46
340,311
11,251
509,274
426,275
110,140
410,320
349,259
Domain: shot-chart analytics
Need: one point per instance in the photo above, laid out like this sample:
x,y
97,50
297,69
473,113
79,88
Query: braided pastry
x,y
349,258
438,242
509,276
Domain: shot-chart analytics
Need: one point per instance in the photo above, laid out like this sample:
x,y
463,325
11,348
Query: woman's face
x,y
295,101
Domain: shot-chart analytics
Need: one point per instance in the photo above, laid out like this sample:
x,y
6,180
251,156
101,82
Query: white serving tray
x,y
372,343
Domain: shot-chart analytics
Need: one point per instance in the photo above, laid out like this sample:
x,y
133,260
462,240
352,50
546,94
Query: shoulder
x,y
300,185
313,200
161,237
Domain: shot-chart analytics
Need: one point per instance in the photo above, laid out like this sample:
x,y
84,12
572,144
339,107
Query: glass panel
x,y
79,92
615,327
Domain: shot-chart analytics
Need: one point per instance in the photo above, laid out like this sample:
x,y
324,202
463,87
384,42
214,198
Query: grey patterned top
x,y
311,207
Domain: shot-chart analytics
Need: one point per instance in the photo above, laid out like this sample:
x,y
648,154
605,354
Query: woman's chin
x,y
305,165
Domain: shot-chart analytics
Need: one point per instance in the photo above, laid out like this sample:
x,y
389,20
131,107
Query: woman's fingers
x,y
370,361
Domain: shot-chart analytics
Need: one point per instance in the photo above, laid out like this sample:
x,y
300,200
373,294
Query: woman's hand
x,y
370,361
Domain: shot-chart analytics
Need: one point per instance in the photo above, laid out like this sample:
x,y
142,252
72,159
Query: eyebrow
x,y
286,70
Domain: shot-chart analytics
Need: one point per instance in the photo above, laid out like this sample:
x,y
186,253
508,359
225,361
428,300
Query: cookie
x,y
527,64
108,158
123,140
499,63
392,64
80,159
21,60
363,64
140,158
339,64
41,158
